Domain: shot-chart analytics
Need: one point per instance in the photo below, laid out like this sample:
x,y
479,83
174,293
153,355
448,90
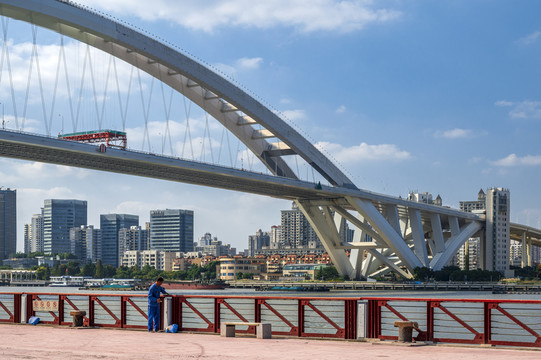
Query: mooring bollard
x,y
77,317
405,330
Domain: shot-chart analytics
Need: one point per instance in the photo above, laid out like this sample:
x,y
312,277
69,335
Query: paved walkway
x,y
47,342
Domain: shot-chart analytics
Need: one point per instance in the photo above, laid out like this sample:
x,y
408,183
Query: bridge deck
x,y
51,150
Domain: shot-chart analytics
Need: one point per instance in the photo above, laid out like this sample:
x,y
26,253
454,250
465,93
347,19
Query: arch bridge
x,y
391,234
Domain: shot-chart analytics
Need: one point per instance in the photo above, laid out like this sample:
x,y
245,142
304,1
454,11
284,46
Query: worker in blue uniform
x,y
155,295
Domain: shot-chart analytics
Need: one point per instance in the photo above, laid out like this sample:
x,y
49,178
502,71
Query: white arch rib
x,y
227,103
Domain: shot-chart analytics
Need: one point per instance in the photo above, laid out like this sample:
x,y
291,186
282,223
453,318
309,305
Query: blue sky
x,y
437,96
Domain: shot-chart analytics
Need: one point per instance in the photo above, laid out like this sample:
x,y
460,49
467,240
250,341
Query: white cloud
x,y
514,160
304,15
293,115
249,63
530,38
503,103
364,152
455,133
341,109
242,64
526,109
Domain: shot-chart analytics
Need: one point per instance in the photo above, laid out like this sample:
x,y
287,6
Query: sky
x,y
436,96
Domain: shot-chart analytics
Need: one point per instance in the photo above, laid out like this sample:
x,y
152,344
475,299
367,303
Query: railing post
x,y
180,300
168,312
374,319
300,317
257,312
61,309
24,308
122,311
362,312
30,307
488,322
177,318
161,315
217,313
350,319
91,311
429,321
16,308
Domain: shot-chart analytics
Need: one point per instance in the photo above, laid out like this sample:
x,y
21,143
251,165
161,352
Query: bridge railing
x,y
495,322
293,316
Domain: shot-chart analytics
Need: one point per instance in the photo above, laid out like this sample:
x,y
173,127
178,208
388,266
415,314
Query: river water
x,y
483,295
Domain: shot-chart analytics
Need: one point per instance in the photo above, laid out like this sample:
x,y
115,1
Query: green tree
x,y
445,273
239,276
43,272
55,271
109,271
73,268
63,270
422,273
88,269
99,270
210,270
194,272
328,273
248,276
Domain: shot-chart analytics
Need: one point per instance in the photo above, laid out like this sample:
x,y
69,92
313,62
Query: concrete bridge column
x,y
523,260
529,252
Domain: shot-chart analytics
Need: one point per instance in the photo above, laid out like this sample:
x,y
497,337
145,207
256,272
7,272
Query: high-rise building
x,y
296,231
110,225
59,216
85,242
469,255
36,233
216,249
206,239
27,238
471,206
171,230
497,239
130,239
493,251
275,235
8,223
257,242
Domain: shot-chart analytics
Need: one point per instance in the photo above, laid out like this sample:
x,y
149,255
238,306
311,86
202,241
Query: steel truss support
x,y
385,239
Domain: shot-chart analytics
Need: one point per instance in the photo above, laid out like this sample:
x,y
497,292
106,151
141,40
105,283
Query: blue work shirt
x,y
154,294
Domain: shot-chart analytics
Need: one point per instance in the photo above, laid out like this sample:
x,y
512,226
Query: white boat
x,y
66,281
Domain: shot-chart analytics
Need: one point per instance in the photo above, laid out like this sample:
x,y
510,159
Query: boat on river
x,y
193,285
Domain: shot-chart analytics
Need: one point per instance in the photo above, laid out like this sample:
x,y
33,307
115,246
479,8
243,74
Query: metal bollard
x,y
405,330
77,318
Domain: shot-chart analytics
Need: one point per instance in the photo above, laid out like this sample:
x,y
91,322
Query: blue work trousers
x,y
154,317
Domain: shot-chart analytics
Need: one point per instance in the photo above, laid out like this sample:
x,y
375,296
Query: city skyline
x,y
432,96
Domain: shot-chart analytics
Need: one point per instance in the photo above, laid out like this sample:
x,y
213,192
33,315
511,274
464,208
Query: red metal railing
x,y
303,317
496,322
293,316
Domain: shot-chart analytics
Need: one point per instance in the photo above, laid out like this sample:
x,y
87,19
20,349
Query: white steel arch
x,y
402,234
227,103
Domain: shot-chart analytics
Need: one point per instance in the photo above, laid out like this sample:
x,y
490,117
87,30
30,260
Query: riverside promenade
x,y
51,342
